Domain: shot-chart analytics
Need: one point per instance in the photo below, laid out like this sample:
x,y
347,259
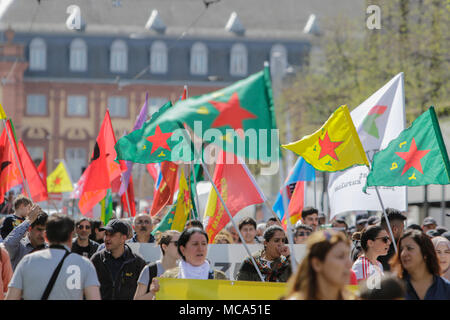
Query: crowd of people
x,y
54,257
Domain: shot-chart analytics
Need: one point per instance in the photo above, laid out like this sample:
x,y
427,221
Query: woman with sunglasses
x,y
375,242
273,261
168,243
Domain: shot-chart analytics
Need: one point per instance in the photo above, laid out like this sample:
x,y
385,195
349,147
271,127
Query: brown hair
x,y
165,238
21,199
426,248
304,282
223,235
368,233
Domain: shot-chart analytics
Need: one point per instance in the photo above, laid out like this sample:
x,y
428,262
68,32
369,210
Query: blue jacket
x,y
439,290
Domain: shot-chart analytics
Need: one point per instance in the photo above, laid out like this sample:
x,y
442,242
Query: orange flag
x,y
164,192
35,183
238,189
9,168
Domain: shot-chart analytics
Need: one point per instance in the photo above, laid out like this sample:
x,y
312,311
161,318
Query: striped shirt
x,y
363,268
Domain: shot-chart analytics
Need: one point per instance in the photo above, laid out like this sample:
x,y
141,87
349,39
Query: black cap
x,y
116,225
432,233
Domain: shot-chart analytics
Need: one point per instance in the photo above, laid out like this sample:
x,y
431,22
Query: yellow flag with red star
x,y
334,147
59,180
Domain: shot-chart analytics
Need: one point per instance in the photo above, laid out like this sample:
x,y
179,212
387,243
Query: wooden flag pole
x,y
205,169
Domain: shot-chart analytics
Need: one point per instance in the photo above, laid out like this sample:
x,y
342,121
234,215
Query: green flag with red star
x,y
236,113
417,157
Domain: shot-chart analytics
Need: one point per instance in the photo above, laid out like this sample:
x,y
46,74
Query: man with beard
x,y
82,244
142,227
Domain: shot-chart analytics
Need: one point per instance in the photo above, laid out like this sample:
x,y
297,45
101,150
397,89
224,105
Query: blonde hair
x,y
303,284
223,235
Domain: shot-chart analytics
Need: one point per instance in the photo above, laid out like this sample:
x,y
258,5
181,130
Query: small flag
x,y
35,183
334,147
59,180
2,113
417,157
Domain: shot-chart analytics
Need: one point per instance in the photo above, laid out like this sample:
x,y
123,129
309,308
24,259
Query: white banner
x,y
378,120
224,257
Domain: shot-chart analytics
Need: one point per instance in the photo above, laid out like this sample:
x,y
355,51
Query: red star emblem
x,y
231,113
57,181
159,139
327,147
412,157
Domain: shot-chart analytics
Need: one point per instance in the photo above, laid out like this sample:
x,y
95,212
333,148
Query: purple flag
x,y
137,125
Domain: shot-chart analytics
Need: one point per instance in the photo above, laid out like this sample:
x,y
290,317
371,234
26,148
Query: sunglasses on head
x,y
385,239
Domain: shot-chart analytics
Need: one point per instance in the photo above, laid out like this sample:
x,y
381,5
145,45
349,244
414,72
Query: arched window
x,y
199,59
38,54
238,60
158,57
278,60
78,55
119,56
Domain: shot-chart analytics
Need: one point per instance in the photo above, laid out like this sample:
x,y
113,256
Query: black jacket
x,y
125,284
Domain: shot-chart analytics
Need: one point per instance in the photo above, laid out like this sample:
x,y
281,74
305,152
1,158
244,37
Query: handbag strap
x,y
152,270
55,274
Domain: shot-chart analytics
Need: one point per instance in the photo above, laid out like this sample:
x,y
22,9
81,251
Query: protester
x,y
374,242
32,279
324,271
310,217
129,225
272,261
118,268
142,228
322,219
340,224
302,232
223,237
168,242
417,264
389,288
22,207
82,244
397,222
429,223
247,227
17,245
193,223
96,234
356,249
373,221
271,221
8,205
232,230
442,247
260,228
6,271
361,221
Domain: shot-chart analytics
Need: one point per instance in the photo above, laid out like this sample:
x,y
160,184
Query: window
x,y
77,106
78,55
36,105
158,57
119,57
155,103
199,59
118,107
278,60
38,55
36,153
238,60
75,160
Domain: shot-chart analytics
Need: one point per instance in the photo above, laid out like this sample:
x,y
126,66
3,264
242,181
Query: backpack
x,y
153,271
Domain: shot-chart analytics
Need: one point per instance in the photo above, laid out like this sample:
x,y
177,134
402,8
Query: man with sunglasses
x,y
82,244
143,227
302,232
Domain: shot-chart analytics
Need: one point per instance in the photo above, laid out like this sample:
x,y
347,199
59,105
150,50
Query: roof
x,y
260,18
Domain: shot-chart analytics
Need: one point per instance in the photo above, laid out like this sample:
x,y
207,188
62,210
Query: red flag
x,y
42,170
296,204
9,168
238,189
37,188
153,170
102,169
164,193
130,192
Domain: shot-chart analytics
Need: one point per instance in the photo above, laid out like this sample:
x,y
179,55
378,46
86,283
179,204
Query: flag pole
x,y
205,169
288,219
16,158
